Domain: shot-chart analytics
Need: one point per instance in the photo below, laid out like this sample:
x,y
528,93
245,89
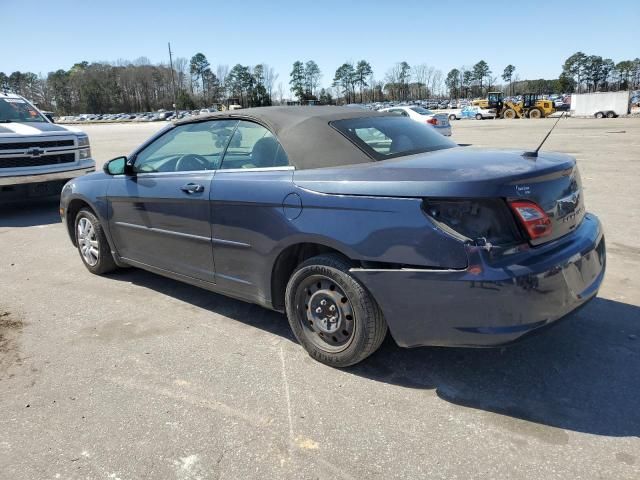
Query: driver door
x,y
160,215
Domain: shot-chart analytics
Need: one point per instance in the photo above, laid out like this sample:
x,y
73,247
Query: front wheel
x,y
452,117
332,315
509,113
92,243
599,115
610,114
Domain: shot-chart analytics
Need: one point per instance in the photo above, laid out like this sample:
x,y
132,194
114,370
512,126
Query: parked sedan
x,y
471,111
350,221
439,121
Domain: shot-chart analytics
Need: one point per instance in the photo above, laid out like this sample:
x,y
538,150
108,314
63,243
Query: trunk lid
x,y
551,180
443,119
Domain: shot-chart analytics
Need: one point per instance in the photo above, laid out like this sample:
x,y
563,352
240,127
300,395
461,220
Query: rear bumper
x,y
491,303
446,131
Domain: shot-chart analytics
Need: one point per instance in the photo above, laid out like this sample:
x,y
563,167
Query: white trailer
x,y
600,104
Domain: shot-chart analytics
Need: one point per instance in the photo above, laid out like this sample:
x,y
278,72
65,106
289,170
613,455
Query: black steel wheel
x,y
331,314
325,313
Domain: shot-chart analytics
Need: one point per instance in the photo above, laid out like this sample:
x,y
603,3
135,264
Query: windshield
x,y
18,110
391,136
422,111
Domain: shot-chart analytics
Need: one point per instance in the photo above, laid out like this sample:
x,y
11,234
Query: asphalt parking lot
x,y
135,376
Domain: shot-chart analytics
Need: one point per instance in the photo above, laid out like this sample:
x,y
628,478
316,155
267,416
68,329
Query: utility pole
x,y
173,81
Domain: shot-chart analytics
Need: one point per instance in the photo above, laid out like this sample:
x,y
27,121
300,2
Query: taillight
x,y
433,121
532,217
481,221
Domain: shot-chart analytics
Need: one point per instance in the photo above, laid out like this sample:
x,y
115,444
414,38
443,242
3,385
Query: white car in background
x,y
471,111
439,121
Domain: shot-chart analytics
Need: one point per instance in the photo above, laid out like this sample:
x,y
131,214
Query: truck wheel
x,y
509,113
611,114
535,113
93,247
599,115
452,117
332,315
478,116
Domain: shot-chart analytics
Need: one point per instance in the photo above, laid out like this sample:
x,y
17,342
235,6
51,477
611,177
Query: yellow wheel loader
x,y
531,106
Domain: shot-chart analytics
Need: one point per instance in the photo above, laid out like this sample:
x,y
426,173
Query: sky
x,y
535,36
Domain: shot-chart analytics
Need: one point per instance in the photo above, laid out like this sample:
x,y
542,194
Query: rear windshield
x,y
422,111
18,110
391,136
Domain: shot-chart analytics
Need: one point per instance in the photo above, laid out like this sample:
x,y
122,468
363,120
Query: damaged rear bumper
x,y
491,304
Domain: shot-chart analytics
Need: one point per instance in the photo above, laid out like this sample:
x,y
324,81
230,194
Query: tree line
x,y
591,73
580,73
355,82
134,86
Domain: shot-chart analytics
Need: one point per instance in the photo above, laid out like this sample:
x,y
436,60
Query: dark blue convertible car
x,y
351,222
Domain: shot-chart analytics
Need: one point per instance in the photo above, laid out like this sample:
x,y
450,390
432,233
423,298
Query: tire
x,y
92,244
478,116
611,114
599,115
452,117
535,113
360,327
509,113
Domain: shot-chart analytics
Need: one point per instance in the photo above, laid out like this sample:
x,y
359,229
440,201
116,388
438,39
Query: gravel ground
x,y
133,376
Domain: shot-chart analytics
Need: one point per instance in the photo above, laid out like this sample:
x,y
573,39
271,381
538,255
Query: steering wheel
x,y
191,161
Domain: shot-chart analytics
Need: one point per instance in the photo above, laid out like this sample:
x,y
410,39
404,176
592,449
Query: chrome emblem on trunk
x,y
567,208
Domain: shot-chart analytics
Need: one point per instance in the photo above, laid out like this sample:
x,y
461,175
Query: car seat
x,y
267,152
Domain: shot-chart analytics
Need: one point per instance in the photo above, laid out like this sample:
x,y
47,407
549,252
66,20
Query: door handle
x,y
192,188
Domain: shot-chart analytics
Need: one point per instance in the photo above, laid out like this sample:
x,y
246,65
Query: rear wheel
x,y
332,315
610,114
535,113
478,116
599,115
452,117
92,244
509,113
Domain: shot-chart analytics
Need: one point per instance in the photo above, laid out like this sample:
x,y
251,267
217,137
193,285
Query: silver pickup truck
x,y
37,157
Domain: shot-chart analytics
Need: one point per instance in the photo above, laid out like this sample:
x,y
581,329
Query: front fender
x,y
83,191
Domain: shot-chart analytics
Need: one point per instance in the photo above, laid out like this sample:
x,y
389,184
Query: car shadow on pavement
x,y
580,375
247,313
42,211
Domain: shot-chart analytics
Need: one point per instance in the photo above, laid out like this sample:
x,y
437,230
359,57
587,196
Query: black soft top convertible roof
x,y
304,132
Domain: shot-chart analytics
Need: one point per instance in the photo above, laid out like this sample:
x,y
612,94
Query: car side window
x,y
373,137
253,146
188,147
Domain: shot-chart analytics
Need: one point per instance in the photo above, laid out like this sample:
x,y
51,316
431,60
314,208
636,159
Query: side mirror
x,y
115,166
128,166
